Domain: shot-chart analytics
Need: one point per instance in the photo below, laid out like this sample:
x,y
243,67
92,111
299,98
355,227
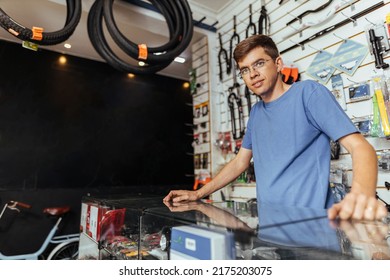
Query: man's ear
x,y
279,63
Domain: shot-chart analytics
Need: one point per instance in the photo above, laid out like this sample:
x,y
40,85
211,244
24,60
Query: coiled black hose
x,y
178,16
37,35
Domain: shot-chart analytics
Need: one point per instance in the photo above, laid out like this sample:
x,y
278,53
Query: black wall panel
x,y
83,128
85,124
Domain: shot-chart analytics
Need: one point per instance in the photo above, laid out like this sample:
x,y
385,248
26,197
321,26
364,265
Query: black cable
x,y
48,38
179,20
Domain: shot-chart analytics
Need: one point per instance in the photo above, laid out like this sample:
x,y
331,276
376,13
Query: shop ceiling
x,y
137,22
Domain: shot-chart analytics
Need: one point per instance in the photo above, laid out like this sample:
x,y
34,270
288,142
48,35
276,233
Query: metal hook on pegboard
x,y
342,39
298,44
351,19
318,50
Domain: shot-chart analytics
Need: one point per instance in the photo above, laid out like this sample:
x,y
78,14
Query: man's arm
x,y
229,173
361,202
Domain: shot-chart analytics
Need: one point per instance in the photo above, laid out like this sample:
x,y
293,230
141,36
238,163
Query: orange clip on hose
x,y
142,51
37,33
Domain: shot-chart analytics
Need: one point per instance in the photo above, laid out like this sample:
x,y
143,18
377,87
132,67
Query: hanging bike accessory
x,y
332,28
381,106
231,100
222,56
251,25
37,35
236,37
235,97
334,150
377,48
290,74
320,8
178,17
376,128
201,179
264,20
248,99
319,20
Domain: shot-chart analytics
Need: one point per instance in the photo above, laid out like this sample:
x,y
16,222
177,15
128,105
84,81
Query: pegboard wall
x,y
300,36
200,97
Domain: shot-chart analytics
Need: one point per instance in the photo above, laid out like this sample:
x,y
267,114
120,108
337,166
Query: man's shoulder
x,y
310,87
307,84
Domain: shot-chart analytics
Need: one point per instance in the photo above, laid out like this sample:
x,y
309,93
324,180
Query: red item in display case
x,y
111,223
101,222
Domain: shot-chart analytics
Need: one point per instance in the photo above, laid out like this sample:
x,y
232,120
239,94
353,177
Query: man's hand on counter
x,y
359,207
181,195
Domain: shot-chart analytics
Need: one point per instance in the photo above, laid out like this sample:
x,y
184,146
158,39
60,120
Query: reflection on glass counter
x,y
147,228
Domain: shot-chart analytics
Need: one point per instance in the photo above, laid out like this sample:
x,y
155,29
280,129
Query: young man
x,y
288,135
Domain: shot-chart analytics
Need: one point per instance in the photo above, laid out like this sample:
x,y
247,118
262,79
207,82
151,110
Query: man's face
x,y
260,72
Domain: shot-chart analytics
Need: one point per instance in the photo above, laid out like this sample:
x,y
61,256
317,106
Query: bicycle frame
x,y
35,255
61,240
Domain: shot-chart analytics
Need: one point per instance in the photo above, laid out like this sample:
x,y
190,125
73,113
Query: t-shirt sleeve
x,y
326,114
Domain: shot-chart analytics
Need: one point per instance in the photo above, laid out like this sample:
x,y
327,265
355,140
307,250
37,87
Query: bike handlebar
x,y
18,203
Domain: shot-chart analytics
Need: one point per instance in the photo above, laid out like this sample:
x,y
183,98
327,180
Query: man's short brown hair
x,y
255,41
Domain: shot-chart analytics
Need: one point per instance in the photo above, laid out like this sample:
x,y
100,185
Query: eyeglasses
x,y
244,72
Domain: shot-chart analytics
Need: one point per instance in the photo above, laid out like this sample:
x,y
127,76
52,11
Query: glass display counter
x,y
109,226
147,228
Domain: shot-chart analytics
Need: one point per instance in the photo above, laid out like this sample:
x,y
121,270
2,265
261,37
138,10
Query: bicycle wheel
x,y
65,251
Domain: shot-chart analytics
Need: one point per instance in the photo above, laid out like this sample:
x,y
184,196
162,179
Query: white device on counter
x,y
196,243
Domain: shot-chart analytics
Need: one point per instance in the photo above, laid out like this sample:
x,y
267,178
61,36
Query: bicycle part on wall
x,y
235,37
235,98
248,99
264,20
290,74
331,28
320,8
377,48
251,25
222,57
224,142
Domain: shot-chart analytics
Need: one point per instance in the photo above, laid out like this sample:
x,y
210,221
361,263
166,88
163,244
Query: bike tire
x,y
178,17
65,251
48,38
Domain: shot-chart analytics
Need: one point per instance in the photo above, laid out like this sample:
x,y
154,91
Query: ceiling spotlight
x,y
141,63
180,59
130,75
67,45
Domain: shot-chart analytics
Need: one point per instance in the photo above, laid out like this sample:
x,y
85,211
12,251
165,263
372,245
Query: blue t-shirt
x,y
289,138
